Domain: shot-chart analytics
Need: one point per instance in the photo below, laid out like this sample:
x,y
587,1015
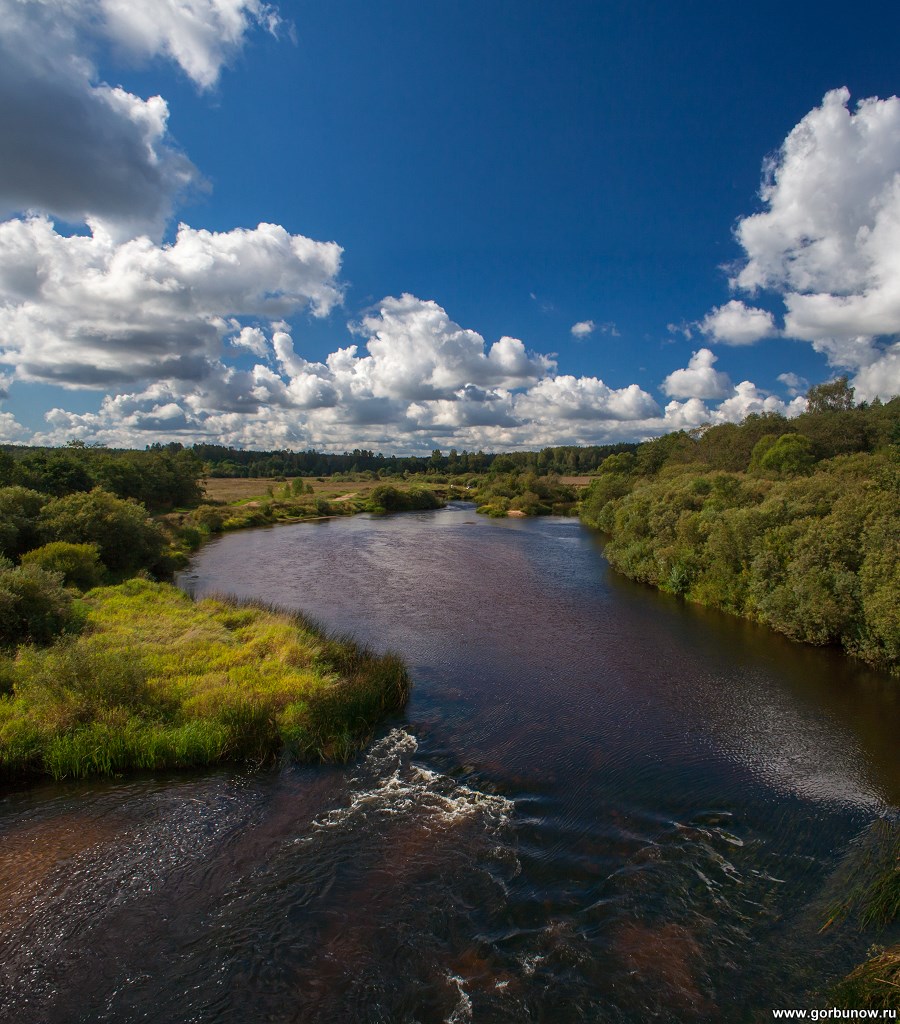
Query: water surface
x,y
599,805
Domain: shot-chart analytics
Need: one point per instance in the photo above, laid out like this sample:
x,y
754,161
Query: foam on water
x,y
389,784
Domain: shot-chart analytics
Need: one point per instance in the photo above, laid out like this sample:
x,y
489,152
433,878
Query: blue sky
x,y
488,171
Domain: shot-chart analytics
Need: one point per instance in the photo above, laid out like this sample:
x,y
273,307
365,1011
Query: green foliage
x,y
816,556
386,498
833,396
160,478
874,985
786,455
122,531
35,607
19,511
528,493
79,564
158,681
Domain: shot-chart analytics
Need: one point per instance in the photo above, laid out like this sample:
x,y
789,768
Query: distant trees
x,y
160,478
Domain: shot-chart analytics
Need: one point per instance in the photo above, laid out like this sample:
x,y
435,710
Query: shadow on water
x,y
600,804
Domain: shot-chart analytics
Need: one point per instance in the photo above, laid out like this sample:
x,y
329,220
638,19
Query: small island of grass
x,y
154,680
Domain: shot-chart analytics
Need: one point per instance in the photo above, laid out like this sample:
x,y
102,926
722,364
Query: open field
x,y
242,489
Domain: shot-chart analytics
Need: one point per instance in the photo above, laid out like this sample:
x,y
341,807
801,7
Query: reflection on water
x,y
599,805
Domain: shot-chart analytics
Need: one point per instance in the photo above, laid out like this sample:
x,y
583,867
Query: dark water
x,y
600,805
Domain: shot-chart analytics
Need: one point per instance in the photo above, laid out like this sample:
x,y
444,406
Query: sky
x,y
413,225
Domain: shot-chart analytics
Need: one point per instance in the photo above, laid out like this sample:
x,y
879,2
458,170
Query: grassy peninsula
x,y
155,680
105,669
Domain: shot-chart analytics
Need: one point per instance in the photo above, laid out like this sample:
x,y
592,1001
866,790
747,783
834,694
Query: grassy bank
x,y
155,680
237,505
870,901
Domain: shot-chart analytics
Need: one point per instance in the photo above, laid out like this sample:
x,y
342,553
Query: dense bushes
x,y
79,564
815,556
125,536
386,498
159,478
19,511
528,493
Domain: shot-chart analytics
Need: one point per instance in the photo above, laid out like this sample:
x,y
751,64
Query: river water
x,y
599,805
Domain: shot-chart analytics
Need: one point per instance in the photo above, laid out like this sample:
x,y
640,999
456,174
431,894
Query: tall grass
x,y
158,681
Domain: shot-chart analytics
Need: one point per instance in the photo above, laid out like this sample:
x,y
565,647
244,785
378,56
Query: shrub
x,y
79,564
34,605
124,534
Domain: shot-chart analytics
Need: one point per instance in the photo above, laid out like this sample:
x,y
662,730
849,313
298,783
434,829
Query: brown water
x,y
600,805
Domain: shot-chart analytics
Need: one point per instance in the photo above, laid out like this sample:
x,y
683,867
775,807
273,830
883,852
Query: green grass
x,y
871,888
874,985
158,681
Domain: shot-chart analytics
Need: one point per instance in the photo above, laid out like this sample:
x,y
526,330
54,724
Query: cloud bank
x,y
190,336
828,243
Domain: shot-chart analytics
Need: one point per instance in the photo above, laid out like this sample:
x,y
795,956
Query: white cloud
x,y
86,311
585,328
737,324
417,352
828,241
11,431
699,379
747,398
795,384
73,145
199,35
880,378
584,398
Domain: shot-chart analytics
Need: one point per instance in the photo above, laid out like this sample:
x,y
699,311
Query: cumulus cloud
x,y
738,324
794,383
828,240
11,431
417,352
199,35
698,379
585,398
747,398
83,150
73,145
87,311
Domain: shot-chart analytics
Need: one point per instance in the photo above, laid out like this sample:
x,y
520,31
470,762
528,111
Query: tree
x,y
833,396
19,510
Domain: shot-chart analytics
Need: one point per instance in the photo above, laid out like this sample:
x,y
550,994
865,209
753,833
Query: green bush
x,y
35,606
386,498
79,564
124,534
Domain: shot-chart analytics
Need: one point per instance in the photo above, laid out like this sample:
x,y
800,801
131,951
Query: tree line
x,y
792,523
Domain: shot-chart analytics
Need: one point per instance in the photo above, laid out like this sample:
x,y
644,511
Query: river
x,y
599,805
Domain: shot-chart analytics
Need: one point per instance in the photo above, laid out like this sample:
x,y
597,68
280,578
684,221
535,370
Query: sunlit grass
x,y
158,681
